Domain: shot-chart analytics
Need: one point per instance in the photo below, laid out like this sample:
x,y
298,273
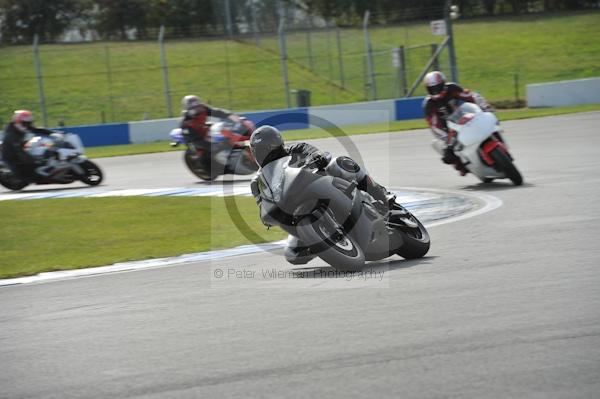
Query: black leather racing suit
x,y
13,153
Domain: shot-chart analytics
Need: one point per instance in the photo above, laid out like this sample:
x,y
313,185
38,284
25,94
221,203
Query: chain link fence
x,y
304,60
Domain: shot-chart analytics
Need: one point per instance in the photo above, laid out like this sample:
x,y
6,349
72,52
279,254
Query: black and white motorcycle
x,y
327,216
61,161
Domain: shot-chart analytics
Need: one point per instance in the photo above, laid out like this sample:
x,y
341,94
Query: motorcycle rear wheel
x,y
327,240
503,162
12,182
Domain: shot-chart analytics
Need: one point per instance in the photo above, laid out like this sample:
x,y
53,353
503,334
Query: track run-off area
x,y
505,304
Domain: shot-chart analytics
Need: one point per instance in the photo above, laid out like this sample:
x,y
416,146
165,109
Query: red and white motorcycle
x,y
479,144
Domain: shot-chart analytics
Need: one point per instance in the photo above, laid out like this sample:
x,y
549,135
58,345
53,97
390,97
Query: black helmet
x,y
266,144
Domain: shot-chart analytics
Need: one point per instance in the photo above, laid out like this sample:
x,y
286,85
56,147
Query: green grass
x,y
52,234
314,133
490,52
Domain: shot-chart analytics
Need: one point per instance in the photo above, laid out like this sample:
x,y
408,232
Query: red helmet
x,y
23,120
435,83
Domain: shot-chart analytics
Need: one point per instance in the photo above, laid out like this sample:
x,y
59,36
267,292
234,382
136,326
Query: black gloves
x,y
449,156
319,159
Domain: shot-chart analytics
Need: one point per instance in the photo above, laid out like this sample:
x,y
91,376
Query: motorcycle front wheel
x,y
416,241
503,162
92,174
326,239
194,166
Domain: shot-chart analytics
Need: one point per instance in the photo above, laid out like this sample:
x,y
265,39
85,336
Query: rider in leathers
x,y
438,105
13,152
194,125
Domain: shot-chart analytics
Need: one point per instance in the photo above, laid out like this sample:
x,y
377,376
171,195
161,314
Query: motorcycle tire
x,y
503,162
10,181
339,250
192,165
92,173
416,241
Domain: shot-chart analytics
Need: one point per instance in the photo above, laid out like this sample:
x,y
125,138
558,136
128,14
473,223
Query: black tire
x,y
503,163
193,165
487,180
12,182
339,250
92,173
416,240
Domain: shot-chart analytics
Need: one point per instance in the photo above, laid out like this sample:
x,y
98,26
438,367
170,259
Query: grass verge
x,y
58,234
314,133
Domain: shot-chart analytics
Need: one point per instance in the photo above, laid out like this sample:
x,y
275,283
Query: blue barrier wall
x,y
286,119
409,108
96,135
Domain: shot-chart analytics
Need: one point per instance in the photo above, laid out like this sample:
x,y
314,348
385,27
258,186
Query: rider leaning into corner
x,y
13,152
267,145
437,107
194,125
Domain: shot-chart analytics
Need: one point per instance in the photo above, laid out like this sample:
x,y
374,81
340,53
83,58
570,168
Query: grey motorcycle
x,y
327,216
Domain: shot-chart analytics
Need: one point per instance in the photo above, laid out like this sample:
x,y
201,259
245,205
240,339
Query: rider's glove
x,y
319,159
449,155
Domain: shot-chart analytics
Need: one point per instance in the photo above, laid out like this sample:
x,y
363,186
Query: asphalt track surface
x,y
506,304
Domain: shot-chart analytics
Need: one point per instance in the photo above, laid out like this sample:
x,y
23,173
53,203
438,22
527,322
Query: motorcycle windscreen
x,y
272,179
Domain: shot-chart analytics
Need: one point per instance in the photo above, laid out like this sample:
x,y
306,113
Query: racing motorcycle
x,y
327,216
61,161
480,146
228,143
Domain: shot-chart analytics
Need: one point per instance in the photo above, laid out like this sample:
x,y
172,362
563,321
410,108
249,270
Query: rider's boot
x,y
296,252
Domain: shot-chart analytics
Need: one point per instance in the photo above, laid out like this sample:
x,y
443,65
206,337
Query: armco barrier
x,y
154,130
285,119
564,93
97,135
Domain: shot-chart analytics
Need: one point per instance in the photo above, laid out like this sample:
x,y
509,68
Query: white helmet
x,y
190,101
434,82
23,120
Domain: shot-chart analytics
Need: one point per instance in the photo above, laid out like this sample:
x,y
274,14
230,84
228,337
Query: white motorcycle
x,y
479,144
61,162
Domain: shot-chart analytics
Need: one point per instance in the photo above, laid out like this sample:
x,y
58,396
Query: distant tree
x,y
490,6
183,16
22,19
116,17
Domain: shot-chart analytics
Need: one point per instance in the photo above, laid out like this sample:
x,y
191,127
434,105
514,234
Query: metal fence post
x,y
163,63
283,58
255,24
309,43
228,18
40,78
436,63
228,74
369,54
403,68
109,79
451,52
329,60
340,58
